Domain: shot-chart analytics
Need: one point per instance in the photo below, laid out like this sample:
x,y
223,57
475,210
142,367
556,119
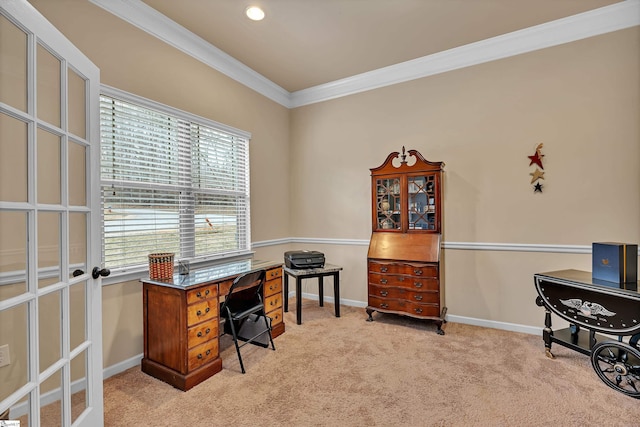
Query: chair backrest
x,y
246,291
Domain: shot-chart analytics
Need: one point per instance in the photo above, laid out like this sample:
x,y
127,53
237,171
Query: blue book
x,y
615,262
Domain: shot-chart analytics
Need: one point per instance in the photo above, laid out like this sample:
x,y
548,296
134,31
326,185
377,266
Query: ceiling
x,y
306,43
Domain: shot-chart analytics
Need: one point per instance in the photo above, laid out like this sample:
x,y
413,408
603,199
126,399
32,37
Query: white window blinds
x,y
171,182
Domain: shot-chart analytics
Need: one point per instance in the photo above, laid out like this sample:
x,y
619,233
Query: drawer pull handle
x,y
383,305
418,297
418,284
384,293
199,294
208,352
418,310
383,281
206,332
417,272
383,269
199,313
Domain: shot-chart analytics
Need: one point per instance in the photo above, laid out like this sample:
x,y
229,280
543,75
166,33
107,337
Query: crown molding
x,y
144,17
615,17
588,24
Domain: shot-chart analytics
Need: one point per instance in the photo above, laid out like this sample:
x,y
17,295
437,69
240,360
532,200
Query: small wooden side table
x,y
320,273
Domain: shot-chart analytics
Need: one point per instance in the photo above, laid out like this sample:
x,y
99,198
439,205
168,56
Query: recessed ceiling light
x,y
254,13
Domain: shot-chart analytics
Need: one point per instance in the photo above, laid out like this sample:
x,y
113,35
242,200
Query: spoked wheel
x,y
618,366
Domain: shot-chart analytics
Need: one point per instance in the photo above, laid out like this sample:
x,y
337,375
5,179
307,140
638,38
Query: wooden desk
x,y
182,323
320,273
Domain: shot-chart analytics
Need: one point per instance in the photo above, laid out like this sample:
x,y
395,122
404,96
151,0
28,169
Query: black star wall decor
x,y
537,174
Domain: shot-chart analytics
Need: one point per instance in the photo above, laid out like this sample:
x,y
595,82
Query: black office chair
x,y
244,314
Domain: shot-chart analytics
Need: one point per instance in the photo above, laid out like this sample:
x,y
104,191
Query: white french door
x,y
50,303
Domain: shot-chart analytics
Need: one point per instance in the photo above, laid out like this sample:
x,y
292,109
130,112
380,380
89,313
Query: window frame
x,y
131,272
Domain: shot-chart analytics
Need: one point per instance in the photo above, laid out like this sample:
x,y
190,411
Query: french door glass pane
x,y
48,86
13,332
77,308
51,414
13,254
76,104
49,316
49,168
77,243
13,159
13,68
77,174
49,255
78,382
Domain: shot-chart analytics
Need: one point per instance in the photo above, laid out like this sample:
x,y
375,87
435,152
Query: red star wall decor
x,y
537,157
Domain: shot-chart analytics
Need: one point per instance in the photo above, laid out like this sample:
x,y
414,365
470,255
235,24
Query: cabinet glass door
x,y
388,204
422,202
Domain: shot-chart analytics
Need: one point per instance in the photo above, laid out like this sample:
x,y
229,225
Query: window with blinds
x,y
171,182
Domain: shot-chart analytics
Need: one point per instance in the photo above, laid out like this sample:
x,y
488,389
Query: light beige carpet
x,y
394,371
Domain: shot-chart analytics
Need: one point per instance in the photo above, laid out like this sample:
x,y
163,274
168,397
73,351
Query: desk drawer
x,y
202,354
276,316
202,333
273,287
202,294
274,273
405,294
414,309
408,282
272,302
416,269
202,311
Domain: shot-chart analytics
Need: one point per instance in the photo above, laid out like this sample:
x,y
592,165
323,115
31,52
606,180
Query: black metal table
x,y
593,308
320,273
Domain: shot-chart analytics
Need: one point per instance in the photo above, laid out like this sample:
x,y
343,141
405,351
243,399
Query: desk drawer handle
x,y
383,305
205,332
199,294
418,310
384,293
417,272
383,281
199,313
383,269
418,297
208,352
418,284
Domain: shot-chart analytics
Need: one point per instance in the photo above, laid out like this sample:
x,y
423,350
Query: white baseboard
x,y
513,327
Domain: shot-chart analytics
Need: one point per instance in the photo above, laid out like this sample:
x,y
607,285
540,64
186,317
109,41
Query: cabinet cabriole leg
x,y
370,312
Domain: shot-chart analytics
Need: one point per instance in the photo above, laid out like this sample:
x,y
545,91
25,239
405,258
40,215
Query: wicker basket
x,y
161,266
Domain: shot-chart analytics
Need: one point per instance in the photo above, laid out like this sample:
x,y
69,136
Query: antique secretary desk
x,y
404,251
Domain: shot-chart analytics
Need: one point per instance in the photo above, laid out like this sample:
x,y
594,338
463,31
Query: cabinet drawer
x,y
405,294
202,354
414,309
276,316
417,269
202,333
272,287
202,293
272,302
205,310
408,282
274,273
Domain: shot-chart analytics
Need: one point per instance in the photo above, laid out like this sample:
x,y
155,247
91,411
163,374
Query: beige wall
x,y
310,166
582,100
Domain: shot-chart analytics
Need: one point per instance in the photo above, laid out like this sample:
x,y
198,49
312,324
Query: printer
x,y
303,259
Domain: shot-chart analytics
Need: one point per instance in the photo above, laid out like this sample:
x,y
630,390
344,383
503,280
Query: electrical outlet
x,y
4,355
